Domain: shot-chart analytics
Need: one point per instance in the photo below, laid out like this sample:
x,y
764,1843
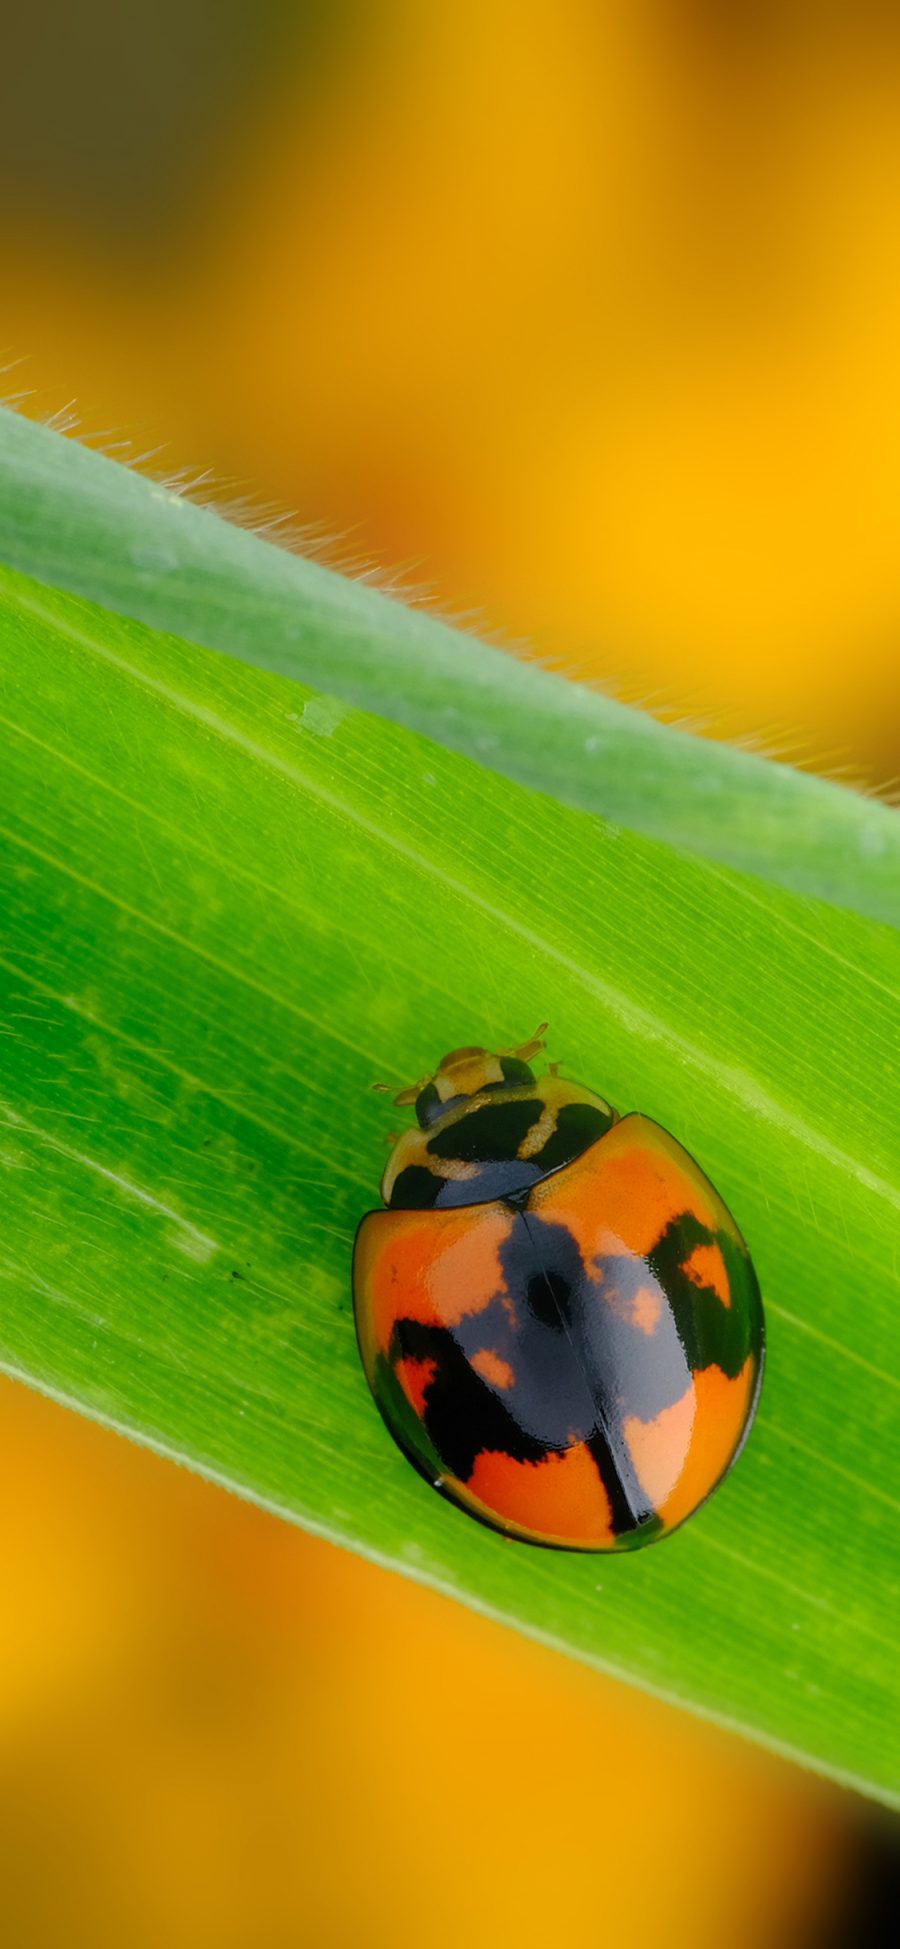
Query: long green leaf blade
x,y
227,906
84,523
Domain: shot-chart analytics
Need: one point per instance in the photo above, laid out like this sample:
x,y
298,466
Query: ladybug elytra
x,y
557,1316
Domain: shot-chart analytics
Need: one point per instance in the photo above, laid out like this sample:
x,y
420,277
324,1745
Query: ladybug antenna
x,y
532,1047
407,1094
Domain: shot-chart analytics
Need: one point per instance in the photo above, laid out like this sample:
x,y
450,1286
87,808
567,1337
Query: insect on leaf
x,y
229,905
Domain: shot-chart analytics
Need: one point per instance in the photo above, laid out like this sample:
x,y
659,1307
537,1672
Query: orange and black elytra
x,y
557,1316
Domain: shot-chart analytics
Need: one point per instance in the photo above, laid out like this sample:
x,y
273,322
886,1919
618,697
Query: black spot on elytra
x,y
463,1415
547,1296
403,1421
625,1520
711,1334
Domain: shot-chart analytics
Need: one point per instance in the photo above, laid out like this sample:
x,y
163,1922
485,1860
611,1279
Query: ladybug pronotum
x,y
557,1316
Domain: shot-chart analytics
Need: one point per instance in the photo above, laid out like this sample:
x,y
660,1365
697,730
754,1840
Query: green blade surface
x,y
227,906
84,523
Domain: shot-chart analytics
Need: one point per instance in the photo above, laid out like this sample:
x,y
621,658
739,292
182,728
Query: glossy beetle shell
x,y
577,1361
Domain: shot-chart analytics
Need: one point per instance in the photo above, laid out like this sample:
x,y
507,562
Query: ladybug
x,y
556,1314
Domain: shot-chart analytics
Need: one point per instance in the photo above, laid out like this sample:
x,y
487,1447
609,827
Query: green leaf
x,y
80,522
228,906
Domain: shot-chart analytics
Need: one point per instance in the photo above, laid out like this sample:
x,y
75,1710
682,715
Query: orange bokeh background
x,y
585,317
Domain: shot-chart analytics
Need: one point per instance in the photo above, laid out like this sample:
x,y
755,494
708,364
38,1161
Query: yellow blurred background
x,y
584,318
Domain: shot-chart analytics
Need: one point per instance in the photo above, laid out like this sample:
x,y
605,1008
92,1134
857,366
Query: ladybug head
x,y
466,1072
